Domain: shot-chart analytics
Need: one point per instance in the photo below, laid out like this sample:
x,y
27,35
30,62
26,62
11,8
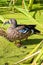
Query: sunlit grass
x,y
8,50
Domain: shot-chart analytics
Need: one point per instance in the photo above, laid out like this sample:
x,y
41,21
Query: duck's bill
x,y
6,23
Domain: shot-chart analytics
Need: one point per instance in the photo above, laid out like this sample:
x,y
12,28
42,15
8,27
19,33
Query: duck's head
x,y
11,21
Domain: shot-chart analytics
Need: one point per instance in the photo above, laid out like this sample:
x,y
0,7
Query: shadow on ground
x,y
31,41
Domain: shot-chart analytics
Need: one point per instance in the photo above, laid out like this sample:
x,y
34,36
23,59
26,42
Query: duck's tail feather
x,y
36,31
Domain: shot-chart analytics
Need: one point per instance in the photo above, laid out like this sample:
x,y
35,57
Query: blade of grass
x,y
38,57
21,10
28,16
28,57
2,18
25,6
30,4
30,54
34,50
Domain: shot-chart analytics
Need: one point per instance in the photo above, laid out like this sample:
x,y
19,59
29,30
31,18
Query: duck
x,y
19,31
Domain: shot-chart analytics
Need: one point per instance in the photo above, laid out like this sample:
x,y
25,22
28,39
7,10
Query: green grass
x,y
8,50
22,19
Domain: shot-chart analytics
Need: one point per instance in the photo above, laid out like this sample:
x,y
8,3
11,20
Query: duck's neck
x,y
13,26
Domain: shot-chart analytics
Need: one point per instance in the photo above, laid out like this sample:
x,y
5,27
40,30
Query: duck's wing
x,y
22,29
25,30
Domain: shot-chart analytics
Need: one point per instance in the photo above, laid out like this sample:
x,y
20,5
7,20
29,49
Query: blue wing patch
x,y
24,30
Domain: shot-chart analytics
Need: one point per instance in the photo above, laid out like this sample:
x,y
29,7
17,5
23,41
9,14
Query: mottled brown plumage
x,y
18,32
14,34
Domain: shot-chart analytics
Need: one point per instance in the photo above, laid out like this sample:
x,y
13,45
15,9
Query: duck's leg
x,y
18,43
26,38
15,41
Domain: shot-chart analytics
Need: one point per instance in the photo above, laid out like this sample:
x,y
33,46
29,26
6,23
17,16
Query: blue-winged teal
x,y
19,32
